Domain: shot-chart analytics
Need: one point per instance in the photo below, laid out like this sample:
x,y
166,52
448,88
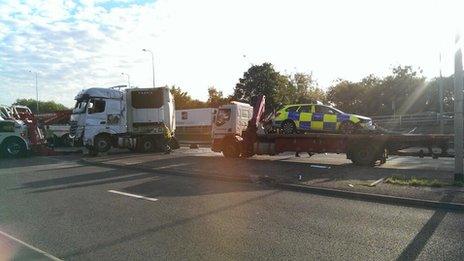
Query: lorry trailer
x,y
238,133
194,126
140,119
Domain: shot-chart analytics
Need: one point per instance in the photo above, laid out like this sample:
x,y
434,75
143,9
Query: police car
x,y
318,118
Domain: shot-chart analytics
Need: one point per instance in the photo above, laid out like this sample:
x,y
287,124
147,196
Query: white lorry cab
x,y
230,121
140,119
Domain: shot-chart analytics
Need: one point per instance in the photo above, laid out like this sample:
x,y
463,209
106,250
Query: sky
x,y
73,45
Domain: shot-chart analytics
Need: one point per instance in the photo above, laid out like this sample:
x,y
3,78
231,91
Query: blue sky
x,y
197,44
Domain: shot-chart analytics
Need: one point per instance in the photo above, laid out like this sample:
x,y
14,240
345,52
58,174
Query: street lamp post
x,y
458,114
36,91
152,64
128,79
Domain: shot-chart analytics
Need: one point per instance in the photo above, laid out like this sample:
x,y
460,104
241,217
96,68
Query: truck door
x,y
96,112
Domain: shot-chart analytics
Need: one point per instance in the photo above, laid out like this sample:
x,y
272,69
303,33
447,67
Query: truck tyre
x,y
231,148
364,154
174,143
13,147
65,140
145,144
288,127
102,143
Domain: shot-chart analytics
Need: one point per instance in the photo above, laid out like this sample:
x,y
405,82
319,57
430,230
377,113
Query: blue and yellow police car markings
x,y
294,116
306,125
317,117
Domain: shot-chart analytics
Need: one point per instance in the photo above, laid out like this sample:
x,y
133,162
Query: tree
x,y
306,89
352,96
401,92
44,106
216,98
263,79
184,101
404,91
448,94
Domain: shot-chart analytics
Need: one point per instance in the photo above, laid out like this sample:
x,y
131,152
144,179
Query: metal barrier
x,y
423,122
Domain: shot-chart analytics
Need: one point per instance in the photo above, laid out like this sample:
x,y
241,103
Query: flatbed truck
x,y
237,134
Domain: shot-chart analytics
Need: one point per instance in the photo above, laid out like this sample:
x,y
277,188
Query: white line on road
x,y
132,195
171,166
31,247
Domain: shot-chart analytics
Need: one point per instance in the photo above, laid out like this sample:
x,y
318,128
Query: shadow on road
x,y
8,164
415,247
156,229
153,182
282,168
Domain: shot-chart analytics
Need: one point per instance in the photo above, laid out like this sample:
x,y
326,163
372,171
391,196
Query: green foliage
x,y
216,98
413,181
278,88
305,89
263,79
44,106
448,93
404,91
184,101
353,96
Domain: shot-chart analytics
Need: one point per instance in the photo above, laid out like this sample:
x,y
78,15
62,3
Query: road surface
x,y
73,211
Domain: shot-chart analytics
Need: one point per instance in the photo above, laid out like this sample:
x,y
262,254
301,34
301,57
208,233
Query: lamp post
x,y
128,79
152,64
458,113
36,91
440,99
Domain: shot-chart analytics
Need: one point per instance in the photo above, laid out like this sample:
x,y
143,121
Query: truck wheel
x,y
102,143
174,143
65,140
13,147
231,148
145,145
288,127
364,155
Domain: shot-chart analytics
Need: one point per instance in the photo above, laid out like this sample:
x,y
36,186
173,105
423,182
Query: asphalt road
x,y
64,208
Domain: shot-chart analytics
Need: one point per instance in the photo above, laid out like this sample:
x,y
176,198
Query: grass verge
x,y
415,182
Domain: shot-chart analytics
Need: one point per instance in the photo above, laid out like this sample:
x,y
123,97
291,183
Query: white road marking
x,y
171,166
31,247
132,195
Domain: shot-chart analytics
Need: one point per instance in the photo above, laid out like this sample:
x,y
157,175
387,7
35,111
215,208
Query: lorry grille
x,y
73,129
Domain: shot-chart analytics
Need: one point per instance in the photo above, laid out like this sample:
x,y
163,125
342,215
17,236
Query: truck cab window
x,y
223,116
96,106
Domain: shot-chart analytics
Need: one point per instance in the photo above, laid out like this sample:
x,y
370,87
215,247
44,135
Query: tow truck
x,y
20,132
238,133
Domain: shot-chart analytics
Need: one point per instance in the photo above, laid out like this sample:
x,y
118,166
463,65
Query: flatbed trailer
x,y
366,148
362,149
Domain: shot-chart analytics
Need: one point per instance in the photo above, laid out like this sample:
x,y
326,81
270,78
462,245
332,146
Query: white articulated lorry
x,y
140,119
194,126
